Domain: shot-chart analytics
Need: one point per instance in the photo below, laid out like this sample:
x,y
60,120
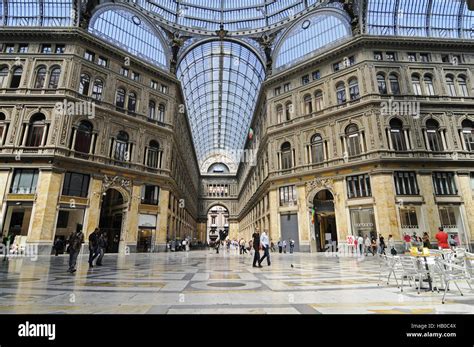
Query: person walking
x,y
266,249
374,246
368,246
452,242
7,241
272,246
256,247
426,240
280,246
58,246
382,244
442,238
93,246
284,246
102,248
242,246
292,245
407,240
76,239
360,242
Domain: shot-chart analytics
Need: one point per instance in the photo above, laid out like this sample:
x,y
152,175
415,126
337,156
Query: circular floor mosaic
x,y
221,285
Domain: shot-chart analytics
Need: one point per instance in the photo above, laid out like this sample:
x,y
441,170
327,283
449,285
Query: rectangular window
x,y
10,48
456,59
286,87
363,222
358,186
24,181
444,183
336,66
63,218
408,218
76,184
60,49
406,183
472,181
412,57
46,49
378,56
88,55
305,79
23,48
154,84
164,89
150,194
390,56
447,216
277,91
124,71
102,61
316,75
288,196
135,76
445,58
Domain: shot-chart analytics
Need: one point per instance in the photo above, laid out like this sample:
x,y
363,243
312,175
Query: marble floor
x,y
202,282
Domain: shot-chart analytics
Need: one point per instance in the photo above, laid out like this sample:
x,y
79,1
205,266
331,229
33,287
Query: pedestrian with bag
x,y
76,239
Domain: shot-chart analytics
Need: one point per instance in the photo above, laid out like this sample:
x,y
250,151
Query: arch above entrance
x,y
317,185
120,184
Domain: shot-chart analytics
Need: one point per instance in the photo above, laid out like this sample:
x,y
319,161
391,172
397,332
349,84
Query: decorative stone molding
x,y
120,183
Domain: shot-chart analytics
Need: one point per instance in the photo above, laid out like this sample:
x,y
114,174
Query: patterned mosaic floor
x,y
204,282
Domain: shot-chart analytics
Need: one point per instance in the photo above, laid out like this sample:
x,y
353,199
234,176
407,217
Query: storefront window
x,y
363,222
24,181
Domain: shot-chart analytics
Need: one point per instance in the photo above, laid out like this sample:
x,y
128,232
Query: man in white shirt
x,y
264,241
360,244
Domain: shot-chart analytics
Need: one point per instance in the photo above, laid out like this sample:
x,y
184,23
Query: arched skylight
x,y
221,82
130,32
46,13
311,35
426,18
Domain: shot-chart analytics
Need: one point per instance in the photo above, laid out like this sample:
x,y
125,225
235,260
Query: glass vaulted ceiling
x,y
236,15
221,82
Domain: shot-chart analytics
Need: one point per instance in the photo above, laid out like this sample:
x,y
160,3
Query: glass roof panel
x,y
48,13
235,15
311,35
130,32
422,18
221,81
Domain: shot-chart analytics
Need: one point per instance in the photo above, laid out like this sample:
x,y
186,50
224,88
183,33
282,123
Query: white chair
x,y
451,272
388,264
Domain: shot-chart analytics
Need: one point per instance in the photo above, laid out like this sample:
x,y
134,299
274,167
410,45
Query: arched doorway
x,y
111,217
217,221
324,219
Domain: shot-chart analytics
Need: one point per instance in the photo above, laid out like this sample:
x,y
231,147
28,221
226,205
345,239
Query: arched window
x,y
394,84
279,111
433,135
16,77
353,89
308,104
84,84
120,98
3,76
397,136
341,93
54,77
153,155
36,130
97,89
382,84
152,110
463,86
468,134
286,156
161,112
353,140
317,149
83,137
288,111
415,82
450,85
121,147
429,86
132,102
40,77
318,101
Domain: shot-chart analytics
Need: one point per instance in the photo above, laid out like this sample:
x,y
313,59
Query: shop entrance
x,y
145,240
17,219
111,216
324,220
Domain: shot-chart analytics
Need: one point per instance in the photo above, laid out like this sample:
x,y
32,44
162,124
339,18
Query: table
x,y
424,256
